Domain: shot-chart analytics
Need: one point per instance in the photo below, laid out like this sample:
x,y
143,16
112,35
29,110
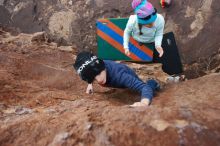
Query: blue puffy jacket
x,y
121,76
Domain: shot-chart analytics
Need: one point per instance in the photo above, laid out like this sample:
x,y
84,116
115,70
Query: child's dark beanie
x,y
88,66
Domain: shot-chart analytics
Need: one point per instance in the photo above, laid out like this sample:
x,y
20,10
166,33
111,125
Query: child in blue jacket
x,y
111,74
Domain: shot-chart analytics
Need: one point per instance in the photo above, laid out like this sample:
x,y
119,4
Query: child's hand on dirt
x,y
127,52
144,102
89,89
160,51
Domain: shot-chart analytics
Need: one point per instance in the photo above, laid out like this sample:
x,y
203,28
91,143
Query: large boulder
x,y
42,98
195,23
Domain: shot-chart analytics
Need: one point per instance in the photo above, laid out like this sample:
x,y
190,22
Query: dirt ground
x,y
43,102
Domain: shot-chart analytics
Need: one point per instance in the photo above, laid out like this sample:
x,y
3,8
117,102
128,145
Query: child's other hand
x,y
143,102
127,52
160,51
89,89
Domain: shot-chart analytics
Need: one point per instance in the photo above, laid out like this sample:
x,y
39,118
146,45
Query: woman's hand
x,y
159,50
127,52
89,89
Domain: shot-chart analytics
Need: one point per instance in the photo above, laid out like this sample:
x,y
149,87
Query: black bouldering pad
x,y
171,62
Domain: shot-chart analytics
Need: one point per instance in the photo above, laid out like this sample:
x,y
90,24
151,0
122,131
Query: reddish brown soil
x,y
43,102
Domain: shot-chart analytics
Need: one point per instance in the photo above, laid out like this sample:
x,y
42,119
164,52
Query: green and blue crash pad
x,y
110,46
110,42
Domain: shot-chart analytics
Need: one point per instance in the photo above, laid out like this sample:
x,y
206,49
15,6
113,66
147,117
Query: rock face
x,y
42,98
58,28
195,23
